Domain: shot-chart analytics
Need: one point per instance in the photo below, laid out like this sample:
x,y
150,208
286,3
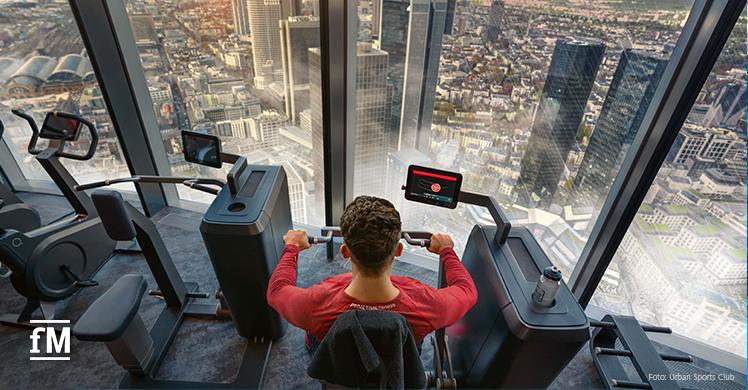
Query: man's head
x,y
371,231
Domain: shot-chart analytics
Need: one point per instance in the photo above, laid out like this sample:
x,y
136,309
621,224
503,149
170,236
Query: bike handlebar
x,y
33,150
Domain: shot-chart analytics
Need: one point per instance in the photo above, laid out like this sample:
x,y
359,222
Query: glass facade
x,y
44,67
240,70
535,103
682,262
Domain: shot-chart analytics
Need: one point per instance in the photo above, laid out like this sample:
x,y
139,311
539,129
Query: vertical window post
x,y
338,29
108,37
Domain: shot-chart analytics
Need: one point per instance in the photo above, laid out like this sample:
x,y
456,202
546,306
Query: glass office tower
x,y
426,29
630,93
298,35
558,117
394,19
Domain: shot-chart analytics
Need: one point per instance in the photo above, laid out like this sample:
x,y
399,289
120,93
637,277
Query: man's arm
x,y
453,301
291,302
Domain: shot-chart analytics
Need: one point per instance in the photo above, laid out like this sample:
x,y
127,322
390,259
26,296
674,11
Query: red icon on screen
x,y
436,187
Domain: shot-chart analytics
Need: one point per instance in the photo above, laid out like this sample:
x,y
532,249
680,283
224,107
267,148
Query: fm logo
x,y
57,345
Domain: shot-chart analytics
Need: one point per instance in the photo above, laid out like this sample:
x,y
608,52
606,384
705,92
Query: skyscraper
x,y
425,31
630,93
395,18
315,122
298,35
557,118
370,151
495,16
371,117
264,16
241,18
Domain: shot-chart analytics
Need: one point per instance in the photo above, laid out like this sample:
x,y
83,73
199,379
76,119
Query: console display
x,y
60,127
433,186
201,149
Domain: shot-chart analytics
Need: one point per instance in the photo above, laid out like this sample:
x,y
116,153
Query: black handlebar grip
x,y
34,130
94,138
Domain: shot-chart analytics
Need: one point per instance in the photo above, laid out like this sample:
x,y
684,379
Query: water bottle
x,y
547,287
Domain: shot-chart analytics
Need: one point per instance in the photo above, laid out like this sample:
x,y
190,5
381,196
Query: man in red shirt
x,y
371,233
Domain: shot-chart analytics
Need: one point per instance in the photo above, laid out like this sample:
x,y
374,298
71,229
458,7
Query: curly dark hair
x,y
371,230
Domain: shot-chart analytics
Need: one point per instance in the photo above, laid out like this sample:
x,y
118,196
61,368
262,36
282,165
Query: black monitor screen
x,y
201,149
433,186
59,127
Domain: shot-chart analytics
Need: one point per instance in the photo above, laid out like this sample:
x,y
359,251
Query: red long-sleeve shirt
x,y
314,309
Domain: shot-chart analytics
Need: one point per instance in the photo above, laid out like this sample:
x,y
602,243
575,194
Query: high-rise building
x,y
241,17
557,118
298,35
315,119
495,17
729,107
370,145
264,16
425,32
296,193
395,16
630,93
371,117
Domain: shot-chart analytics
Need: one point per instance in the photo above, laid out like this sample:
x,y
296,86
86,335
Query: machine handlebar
x,y
197,183
32,148
414,238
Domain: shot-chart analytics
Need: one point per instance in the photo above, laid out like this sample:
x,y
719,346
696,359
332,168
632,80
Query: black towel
x,y
369,349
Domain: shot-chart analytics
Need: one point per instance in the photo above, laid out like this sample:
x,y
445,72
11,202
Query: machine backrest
x,y
369,349
114,215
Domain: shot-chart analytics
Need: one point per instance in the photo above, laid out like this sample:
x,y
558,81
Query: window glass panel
x,y
44,67
682,262
245,71
534,102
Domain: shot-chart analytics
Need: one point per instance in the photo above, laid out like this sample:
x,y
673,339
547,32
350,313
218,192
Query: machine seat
x,y
114,215
108,317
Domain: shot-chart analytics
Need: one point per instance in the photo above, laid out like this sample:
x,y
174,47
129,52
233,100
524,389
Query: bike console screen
x,y
60,127
201,149
433,186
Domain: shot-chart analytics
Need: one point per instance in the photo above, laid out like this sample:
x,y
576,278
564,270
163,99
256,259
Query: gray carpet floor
x,y
50,207
203,350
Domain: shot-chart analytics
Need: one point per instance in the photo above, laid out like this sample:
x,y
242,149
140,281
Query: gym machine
x,y
242,231
53,262
14,214
505,340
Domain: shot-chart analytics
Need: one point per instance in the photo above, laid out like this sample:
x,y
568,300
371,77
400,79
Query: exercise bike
x,y
14,214
53,262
